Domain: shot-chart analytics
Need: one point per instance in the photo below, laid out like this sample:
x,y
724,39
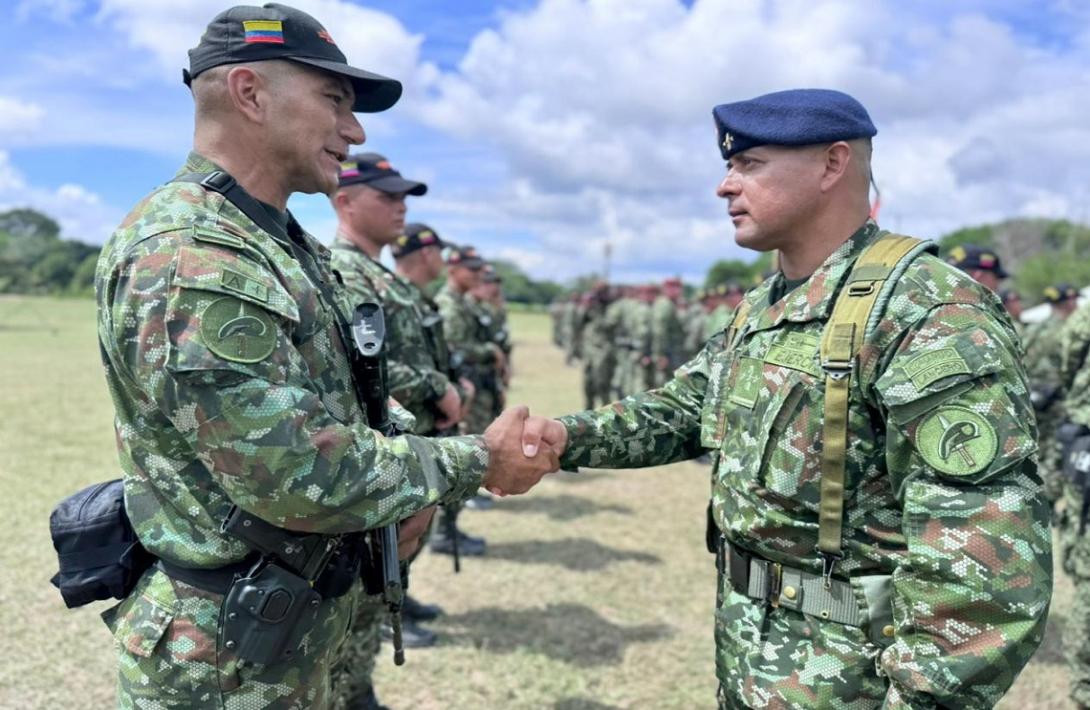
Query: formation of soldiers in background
x,y
631,338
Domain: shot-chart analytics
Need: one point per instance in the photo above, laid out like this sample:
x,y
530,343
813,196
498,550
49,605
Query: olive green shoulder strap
x,y
840,343
740,315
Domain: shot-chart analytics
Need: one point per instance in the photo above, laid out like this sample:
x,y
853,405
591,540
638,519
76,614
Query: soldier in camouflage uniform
x,y
226,360
370,207
983,265
667,332
881,534
599,351
642,371
478,360
727,298
615,319
1043,362
1075,379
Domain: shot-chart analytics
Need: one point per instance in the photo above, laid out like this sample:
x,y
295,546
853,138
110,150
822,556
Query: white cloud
x,y
80,211
18,117
601,110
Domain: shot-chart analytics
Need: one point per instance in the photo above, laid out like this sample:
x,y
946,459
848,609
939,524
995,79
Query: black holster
x,y
267,613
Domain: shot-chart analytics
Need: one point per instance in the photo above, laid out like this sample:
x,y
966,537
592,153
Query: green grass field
x,y
596,593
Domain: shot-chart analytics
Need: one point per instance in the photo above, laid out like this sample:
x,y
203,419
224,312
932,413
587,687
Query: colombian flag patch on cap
x,y
270,31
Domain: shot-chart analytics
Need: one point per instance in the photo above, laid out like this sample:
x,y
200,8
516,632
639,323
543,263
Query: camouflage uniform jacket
x,y
463,331
231,385
667,331
966,540
416,378
1075,378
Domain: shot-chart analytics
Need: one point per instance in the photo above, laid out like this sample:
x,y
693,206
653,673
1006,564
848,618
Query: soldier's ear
x,y
838,156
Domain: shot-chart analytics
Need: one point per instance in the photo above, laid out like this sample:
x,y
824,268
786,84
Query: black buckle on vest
x,y
218,181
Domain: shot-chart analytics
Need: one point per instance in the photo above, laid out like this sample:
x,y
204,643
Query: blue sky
x,y
546,128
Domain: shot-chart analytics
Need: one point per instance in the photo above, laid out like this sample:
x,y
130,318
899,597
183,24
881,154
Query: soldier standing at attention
x,y
476,359
667,332
880,531
1043,364
370,207
226,351
1075,462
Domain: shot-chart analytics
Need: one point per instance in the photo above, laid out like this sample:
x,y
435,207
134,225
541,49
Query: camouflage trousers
x,y
481,412
598,372
170,654
354,670
780,658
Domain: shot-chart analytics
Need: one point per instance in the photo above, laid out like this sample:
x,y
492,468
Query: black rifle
x,y
369,374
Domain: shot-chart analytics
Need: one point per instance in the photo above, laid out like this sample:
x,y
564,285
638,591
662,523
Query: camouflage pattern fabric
x,y
414,378
615,320
353,672
171,656
943,494
641,374
667,339
1075,378
693,321
717,321
1043,362
470,342
599,354
231,386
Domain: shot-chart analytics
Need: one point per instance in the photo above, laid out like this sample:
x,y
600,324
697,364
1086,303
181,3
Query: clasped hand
x,y
522,449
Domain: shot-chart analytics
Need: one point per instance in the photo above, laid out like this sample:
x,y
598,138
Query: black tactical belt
x,y
216,579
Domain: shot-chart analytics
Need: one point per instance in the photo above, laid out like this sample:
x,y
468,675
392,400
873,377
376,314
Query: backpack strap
x,y
840,344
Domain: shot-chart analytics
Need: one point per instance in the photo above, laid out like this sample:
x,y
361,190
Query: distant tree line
x,y
34,259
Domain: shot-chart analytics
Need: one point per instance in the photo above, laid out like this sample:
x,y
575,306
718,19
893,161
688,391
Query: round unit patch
x,y
238,331
957,441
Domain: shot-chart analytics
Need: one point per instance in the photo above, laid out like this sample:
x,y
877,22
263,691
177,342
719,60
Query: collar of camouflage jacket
x,y
814,299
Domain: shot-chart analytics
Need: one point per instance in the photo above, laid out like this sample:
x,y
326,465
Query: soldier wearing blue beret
x,y
879,529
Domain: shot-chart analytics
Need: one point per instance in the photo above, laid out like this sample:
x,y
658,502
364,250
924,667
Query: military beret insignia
x,y
238,331
957,441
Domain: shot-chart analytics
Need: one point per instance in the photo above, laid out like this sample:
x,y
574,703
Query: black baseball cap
x,y
464,256
1060,293
375,171
246,33
969,257
416,237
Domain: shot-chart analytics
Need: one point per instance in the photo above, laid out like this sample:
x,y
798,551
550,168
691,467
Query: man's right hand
x,y
517,461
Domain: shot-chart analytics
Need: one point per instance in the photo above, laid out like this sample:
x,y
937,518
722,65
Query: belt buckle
x,y
775,583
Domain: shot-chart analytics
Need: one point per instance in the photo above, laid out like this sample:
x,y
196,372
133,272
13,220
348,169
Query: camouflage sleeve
x,y
972,592
227,368
651,428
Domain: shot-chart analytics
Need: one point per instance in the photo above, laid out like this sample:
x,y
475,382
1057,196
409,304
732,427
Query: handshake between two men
x,y
521,449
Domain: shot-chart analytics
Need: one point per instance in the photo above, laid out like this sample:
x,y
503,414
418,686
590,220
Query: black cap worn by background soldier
x,y
375,171
253,34
417,236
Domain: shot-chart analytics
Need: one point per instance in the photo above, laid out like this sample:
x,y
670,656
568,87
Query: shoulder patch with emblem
x,y
957,441
238,331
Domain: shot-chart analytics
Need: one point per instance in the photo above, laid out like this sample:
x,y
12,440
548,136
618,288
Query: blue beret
x,y
795,117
